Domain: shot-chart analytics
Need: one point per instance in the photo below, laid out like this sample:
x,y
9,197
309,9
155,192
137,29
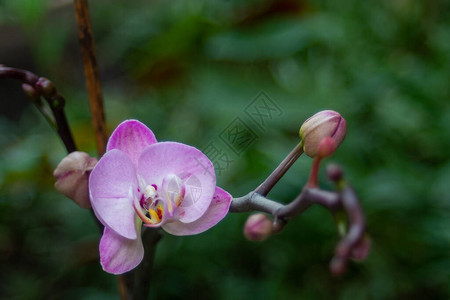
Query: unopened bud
x,y
325,148
30,91
47,87
362,249
334,172
258,227
323,124
72,177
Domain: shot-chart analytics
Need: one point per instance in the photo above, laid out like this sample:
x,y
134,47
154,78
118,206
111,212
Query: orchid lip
x,y
155,207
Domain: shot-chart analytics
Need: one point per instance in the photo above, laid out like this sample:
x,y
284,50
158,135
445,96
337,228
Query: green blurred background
x,y
187,69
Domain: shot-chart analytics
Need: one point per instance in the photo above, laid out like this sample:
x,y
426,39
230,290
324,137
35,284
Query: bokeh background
x,y
187,69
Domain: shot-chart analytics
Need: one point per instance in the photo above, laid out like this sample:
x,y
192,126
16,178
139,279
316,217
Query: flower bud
x,y
326,147
47,87
258,227
31,92
334,172
361,250
72,176
326,123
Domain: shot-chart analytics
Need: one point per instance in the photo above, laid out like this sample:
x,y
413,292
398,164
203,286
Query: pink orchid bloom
x,y
140,181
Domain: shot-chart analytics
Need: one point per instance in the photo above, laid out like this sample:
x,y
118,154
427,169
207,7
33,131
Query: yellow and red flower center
x,y
151,205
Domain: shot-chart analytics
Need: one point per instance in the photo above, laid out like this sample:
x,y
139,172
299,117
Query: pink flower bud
x,y
334,172
46,87
72,176
326,147
326,123
361,250
258,227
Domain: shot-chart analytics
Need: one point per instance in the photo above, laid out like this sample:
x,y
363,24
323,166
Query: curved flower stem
x,y
35,87
313,180
19,74
343,200
91,74
282,168
254,202
355,231
305,199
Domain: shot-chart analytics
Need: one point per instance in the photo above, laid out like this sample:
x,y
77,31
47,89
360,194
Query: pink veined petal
x,y
218,209
118,254
190,165
112,185
131,137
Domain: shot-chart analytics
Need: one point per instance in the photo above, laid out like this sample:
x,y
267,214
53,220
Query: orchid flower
x,y
140,181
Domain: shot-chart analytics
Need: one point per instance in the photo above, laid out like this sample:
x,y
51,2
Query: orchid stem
x,y
143,274
282,168
313,181
91,74
343,200
254,201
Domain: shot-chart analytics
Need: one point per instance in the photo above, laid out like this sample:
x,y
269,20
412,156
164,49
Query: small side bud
x,y
31,92
323,124
72,176
334,172
258,227
362,249
47,87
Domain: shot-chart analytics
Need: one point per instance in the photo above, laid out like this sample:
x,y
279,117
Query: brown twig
x,y
91,74
92,78
135,284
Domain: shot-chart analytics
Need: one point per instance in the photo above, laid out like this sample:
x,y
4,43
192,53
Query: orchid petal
x,y
131,137
217,210
118,254
190,165
112,185
173,191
